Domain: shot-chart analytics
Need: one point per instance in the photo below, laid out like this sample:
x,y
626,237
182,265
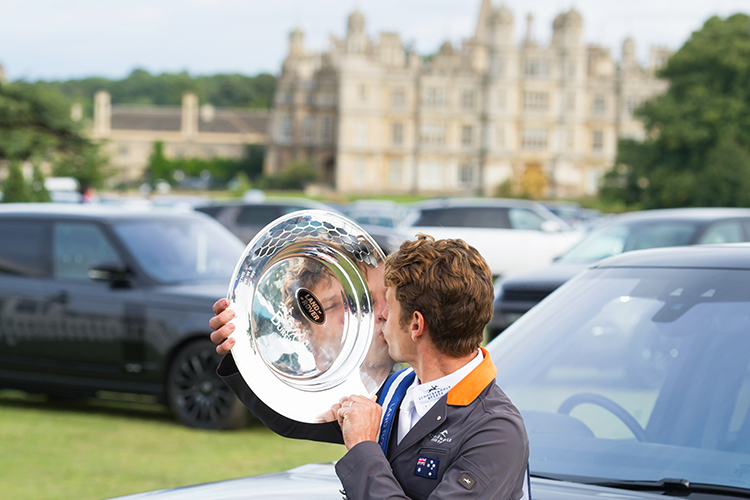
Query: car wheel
x,y
196,394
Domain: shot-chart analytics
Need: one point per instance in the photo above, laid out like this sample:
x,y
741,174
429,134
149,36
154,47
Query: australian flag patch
x,y
427,467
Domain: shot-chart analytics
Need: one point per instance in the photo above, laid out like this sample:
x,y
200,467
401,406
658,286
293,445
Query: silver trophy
x,y
305,328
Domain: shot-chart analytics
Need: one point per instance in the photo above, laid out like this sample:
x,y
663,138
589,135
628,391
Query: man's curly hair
x,y
450,283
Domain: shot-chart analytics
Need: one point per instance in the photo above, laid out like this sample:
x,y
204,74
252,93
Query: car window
x,y
77,247
181,250
24,248
636,374
522,218
614,239
257,215
723,232
479,217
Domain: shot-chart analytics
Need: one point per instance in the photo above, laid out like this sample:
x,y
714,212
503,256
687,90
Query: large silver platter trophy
x,y
305,328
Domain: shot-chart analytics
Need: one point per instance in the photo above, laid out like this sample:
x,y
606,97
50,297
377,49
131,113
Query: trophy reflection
x,y
302,332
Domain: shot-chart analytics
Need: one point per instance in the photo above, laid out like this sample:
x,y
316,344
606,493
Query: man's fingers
x,y
225,346
220,335
220,305
221,319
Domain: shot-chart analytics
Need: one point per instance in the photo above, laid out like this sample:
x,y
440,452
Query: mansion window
x,y
536,101
396,172
307,129
502,99
597,141
534,139
362,93
467,99
467,136
536,67
432,134
398,134
360,172
599,105
287,128
327,130
570,101
398,97
467,175
361,137
433,97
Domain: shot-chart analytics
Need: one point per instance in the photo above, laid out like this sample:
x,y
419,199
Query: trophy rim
x,y
297,397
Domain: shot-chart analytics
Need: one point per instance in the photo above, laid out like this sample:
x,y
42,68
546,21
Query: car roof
x,y
475,202
689,214
302,202
726,256
92,211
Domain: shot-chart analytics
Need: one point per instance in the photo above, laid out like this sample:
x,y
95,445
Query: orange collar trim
x,y
471,385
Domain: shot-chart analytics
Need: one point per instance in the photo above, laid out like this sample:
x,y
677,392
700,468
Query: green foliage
x,y
141,87
221,170
295,175
698,144
89,166
35,123
15,188
37,191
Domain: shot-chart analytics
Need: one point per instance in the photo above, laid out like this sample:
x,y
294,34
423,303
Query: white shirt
x,y
419,398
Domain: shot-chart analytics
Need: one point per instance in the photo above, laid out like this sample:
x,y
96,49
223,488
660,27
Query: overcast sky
x,y
56,39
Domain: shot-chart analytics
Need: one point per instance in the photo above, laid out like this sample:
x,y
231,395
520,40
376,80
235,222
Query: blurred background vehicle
x,y
519,292
634,372
572,213
511,234
385,213
99,298
245,219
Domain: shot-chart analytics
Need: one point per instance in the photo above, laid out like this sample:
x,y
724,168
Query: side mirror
x,y
116,273
550,226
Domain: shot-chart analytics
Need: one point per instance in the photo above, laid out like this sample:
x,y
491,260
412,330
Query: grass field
x,y
94,449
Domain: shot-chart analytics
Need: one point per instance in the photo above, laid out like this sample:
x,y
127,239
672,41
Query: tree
x,y
15,189
35,127
697,151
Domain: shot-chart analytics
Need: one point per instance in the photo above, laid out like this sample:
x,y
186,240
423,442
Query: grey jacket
x,y
471,444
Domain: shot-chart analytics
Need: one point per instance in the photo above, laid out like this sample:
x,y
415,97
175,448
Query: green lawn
x,y
94,450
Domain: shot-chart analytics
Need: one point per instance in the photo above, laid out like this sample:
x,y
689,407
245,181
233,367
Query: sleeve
x,y
328,432
491,465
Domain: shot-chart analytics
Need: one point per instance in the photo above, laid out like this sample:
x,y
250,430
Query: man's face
x,y
377,355
400,344
326,338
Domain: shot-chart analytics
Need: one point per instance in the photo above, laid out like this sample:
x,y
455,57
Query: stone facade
x,y
128,132
375,117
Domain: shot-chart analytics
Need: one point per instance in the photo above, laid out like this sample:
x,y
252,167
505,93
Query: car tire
x,y
196,394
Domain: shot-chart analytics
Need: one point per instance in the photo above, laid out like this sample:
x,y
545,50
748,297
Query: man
x,y
442,428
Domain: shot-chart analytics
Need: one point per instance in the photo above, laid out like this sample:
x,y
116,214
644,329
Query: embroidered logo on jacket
x,y
427,467
440,437
466,481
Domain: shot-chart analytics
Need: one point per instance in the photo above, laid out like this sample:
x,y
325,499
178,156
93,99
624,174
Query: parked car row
x,y
518,292
632,379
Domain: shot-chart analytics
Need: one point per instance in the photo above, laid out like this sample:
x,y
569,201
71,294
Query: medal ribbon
x,y
391,396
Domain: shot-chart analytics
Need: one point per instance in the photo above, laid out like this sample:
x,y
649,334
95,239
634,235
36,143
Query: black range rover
x,y
97,298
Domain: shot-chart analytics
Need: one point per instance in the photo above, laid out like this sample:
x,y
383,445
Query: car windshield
x,y
637,375
618,238
180,250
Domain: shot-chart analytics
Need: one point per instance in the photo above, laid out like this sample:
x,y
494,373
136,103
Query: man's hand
x,y
359,419
221,327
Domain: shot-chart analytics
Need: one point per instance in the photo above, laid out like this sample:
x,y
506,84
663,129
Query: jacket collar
x,y
474,383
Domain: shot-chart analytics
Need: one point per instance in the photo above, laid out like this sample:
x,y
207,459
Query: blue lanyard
x,y
390,397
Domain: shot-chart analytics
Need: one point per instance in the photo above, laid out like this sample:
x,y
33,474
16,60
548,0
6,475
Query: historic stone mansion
x,y
375,117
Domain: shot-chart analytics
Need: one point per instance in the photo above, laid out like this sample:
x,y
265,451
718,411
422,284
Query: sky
x,y
60,40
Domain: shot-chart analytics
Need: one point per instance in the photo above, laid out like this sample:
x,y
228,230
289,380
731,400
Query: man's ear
x,y
418,326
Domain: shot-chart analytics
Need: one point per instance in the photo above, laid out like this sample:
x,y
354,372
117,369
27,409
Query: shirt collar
x,y
427,394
